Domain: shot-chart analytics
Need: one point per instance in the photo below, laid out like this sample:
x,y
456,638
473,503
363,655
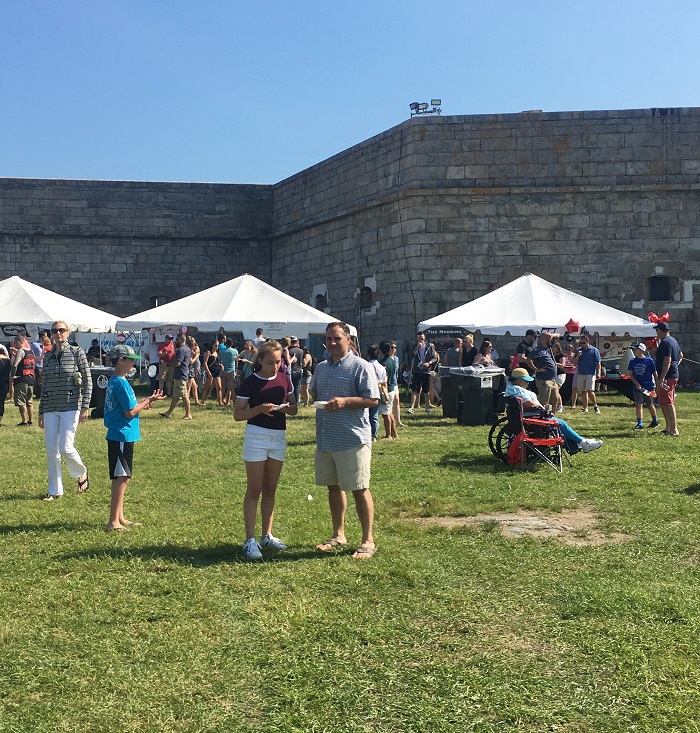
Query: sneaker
x,y
654,424
22,424
639,426
52,497
275,543
596,409
585,409
427,411
410,411
560,408
251,550
589,444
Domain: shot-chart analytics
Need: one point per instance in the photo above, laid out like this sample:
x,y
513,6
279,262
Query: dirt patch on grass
x,y
574,527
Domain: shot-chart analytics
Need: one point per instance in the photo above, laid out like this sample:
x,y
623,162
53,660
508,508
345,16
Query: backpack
x,y
25,368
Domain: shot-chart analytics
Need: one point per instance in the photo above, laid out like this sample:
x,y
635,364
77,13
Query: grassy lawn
x,y
166,628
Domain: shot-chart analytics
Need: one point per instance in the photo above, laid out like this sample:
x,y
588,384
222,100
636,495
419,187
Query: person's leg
x,y
68,426
304,393
52,423
272,471
415,397
639,410
574,397
296,381
116,507
396,407
186,400
30,413
365,512
568,433
173,403
387,425
219,396
206,392
374,420
255,473
584,399
652,412
592,397
338,503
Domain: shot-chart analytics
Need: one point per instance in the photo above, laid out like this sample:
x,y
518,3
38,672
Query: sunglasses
x,y
58,330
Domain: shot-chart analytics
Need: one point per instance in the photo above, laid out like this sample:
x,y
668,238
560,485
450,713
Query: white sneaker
x,y
596,409
410,411
585,409
560,408
589,444
251,550
275,543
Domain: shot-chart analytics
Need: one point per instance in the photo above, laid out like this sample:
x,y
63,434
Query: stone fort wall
x,y
426,215
438,211
115,245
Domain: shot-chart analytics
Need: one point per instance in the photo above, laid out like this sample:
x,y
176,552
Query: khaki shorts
x,y
228,381
349,469
181,388
585,382
23,395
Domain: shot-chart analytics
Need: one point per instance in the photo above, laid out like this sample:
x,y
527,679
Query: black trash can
x,y
100,377
448,393
477,398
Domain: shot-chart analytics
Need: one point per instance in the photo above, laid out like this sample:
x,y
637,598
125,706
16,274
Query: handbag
x,y
383,394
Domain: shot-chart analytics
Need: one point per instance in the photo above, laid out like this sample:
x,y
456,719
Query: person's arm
x,y
630,374
598,366
242,410
145,404
83,367
665,366
350,403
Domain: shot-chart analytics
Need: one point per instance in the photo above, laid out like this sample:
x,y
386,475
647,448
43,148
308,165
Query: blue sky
x,y
252,92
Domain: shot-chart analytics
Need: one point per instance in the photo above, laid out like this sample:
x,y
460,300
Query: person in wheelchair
x,y
520,380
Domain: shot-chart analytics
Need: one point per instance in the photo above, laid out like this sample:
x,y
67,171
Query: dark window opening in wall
x,y
320,303
366,298
157,300
660,288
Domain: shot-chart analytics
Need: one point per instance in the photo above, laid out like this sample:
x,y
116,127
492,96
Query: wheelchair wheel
x,y
498,440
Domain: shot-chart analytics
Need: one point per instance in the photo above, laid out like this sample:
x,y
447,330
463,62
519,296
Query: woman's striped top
x,y
59,389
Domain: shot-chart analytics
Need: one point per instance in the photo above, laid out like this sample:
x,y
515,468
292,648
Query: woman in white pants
x,y
65,399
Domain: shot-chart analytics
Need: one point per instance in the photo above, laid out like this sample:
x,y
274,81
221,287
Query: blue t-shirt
x,y
589,360
668,346
120,397
642,370
542,357
228,359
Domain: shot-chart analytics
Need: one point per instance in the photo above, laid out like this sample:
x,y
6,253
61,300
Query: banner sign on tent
x,y
10,330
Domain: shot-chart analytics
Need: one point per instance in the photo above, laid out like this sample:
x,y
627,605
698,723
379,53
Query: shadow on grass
x,y
460,462
298,443
197,557
691,490
7,529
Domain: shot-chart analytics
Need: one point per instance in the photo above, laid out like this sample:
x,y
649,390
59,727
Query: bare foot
x,y
114,528
187,417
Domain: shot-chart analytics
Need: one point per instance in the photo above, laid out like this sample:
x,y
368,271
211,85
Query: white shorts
x,y
585,382
260,444
386,409
349,469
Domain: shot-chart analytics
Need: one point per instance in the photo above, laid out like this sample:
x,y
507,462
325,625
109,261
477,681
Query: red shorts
x,y
667,396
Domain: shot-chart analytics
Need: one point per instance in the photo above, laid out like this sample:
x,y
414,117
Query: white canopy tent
x,y
25,305
531,302
242,304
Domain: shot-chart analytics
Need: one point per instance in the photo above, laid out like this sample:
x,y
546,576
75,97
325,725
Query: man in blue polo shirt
x,y
343,388
587,361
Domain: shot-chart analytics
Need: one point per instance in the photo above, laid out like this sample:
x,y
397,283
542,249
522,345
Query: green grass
x,y
165,628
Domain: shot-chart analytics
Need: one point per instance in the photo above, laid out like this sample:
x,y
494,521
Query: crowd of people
x,y
268,380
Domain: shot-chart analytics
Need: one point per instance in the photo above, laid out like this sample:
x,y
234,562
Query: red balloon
x,y
572,326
